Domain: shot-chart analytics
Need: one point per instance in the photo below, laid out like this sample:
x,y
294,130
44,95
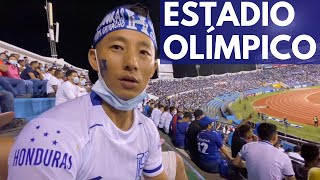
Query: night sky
x,y
24,24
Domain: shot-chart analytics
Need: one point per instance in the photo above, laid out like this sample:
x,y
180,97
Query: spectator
x,y
34,74
156,114
310,154
68,89
165,116
192,133
49,74
242,135
26,60
182,126
54,83
296,153
168,121
314,173
150,109
13,72
146,108
22,65
174,121
15,86
81,87
262,159
209,144
3,56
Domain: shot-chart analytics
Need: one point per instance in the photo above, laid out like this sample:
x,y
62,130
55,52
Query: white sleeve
x,y
70,92
44,151
153,165
54,82
167,124
287,169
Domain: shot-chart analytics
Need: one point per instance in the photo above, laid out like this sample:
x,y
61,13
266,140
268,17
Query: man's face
x,y
22,63
3,56
73,75
127,62
12,58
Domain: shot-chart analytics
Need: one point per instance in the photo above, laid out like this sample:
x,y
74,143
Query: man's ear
x,y
155,68
92,59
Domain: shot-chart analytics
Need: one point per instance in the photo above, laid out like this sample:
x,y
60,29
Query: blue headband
x,y
122,18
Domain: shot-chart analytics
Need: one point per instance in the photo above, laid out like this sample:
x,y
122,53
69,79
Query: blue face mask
x,y
109,97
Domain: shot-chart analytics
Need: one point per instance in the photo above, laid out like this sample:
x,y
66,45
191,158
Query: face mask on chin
x,y
103,91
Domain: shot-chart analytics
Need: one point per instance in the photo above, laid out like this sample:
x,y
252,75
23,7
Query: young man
x,y
310,154
192,133
101,135
210,147
182,126
54,83
68,90
34,74
156,114
262,159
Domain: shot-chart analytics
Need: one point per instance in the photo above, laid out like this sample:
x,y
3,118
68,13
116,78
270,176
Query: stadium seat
x,y
30,108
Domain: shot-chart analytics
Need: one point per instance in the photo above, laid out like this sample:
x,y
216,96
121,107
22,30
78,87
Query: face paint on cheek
x,y
103,66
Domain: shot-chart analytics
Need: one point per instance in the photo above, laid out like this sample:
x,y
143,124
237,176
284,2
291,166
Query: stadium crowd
x,y
20,78
204,140
194,92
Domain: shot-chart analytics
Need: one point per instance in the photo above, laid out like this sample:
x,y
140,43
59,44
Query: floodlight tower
x,y
53,38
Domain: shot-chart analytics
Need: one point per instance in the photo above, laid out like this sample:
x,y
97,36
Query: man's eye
x,y
143,52
116,47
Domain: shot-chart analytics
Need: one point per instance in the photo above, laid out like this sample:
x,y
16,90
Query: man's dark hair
x,y
57,72
160,106
166,108
187,115
34,62
69,72
266,131
197,113
51,69
296,149
309,152
139,9
20,61
244,129
172,108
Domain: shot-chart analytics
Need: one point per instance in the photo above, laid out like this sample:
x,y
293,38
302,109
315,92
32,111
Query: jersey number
x,y
202,147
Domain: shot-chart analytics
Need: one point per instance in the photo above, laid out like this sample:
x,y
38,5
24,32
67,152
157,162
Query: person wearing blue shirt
x,y
181,129
210,146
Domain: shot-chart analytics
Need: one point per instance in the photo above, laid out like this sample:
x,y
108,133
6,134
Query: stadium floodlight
x,y
57,32
50,14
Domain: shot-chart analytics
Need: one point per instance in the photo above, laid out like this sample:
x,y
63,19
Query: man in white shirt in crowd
x,y
68,90
167,122
81,87
49,74
54,83
156,114
262,159
101,135
165,116
296,153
